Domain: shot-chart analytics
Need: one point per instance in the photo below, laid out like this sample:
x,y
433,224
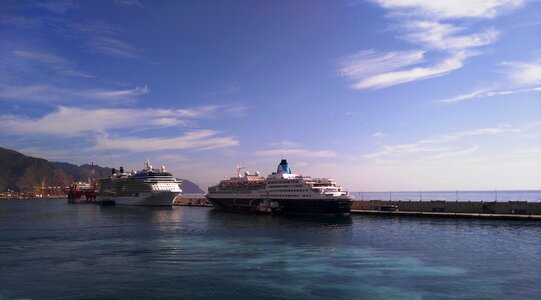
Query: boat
x,y
148,187
280,192
77,190
81,192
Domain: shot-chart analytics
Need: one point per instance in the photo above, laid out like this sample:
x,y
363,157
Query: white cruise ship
x,y
148,187
280,192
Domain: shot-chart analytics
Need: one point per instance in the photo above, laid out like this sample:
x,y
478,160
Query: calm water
x,y
52,250
531,195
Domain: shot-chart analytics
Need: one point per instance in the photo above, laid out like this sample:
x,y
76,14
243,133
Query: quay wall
x,y
511,207
191,201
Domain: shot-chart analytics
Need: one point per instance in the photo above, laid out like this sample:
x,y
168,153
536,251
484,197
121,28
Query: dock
x,y
509,210
192,202
447,215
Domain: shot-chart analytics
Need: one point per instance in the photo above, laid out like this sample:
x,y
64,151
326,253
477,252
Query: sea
x,y
53,250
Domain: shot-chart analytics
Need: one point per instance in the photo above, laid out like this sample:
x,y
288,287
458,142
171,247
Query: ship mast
x,y
239,167
93,178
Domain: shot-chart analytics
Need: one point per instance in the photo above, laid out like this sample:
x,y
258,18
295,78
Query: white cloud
x,y
128,3
42,57
75,121
57,7
112,46
53,94
483,93
446,37
431,26
404,149
200,140
418,73
53,61
20,22
225,89
438,143
450,154
99,37
470,95
523,77
524,73
378,134
295,153
369,62
199,111
286,149
455,8
285,144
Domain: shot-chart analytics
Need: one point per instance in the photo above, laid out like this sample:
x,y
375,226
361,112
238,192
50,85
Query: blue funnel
x,y
283,167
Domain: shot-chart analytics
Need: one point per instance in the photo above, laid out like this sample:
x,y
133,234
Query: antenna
x,y
93,178
239,167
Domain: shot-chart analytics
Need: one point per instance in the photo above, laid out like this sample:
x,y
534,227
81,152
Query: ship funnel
x,y
283,167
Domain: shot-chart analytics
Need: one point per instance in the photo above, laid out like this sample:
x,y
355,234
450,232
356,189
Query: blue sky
x,y
380,95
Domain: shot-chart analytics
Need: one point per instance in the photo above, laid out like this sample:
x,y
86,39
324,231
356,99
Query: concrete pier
x,y
192,202
516,210
447,215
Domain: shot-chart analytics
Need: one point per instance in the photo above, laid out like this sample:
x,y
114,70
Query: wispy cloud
x,y
453,9
53,62
127,3
113,46
483,93
523,77
95,36
225,89
450,154
195,140
20,22
52,94
368,62
378,134
418,73
438,144
75,121
292,149
447,37
430,26
57,7
524,73
99,37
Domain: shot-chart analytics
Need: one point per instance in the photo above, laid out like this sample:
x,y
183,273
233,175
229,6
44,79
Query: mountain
x,y
83,172
189,187
22,173
19,172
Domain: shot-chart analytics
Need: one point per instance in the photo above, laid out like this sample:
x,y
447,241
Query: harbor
x,y
270,150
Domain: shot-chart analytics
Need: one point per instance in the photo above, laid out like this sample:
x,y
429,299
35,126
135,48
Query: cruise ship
x,y
148,187
280,192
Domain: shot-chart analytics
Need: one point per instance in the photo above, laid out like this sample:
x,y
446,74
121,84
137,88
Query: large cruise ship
x,y
280,192
154,187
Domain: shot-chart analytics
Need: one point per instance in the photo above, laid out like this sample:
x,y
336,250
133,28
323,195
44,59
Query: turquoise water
x,y
52,250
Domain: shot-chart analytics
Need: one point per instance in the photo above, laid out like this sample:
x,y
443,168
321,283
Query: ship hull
x,y
146,199
286,206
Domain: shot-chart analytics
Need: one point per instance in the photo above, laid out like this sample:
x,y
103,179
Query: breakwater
x,y
441,206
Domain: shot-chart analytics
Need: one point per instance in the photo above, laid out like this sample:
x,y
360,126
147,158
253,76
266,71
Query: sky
x,y
379,95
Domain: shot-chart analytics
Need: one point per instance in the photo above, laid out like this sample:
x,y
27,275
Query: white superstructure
x,y
155,187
